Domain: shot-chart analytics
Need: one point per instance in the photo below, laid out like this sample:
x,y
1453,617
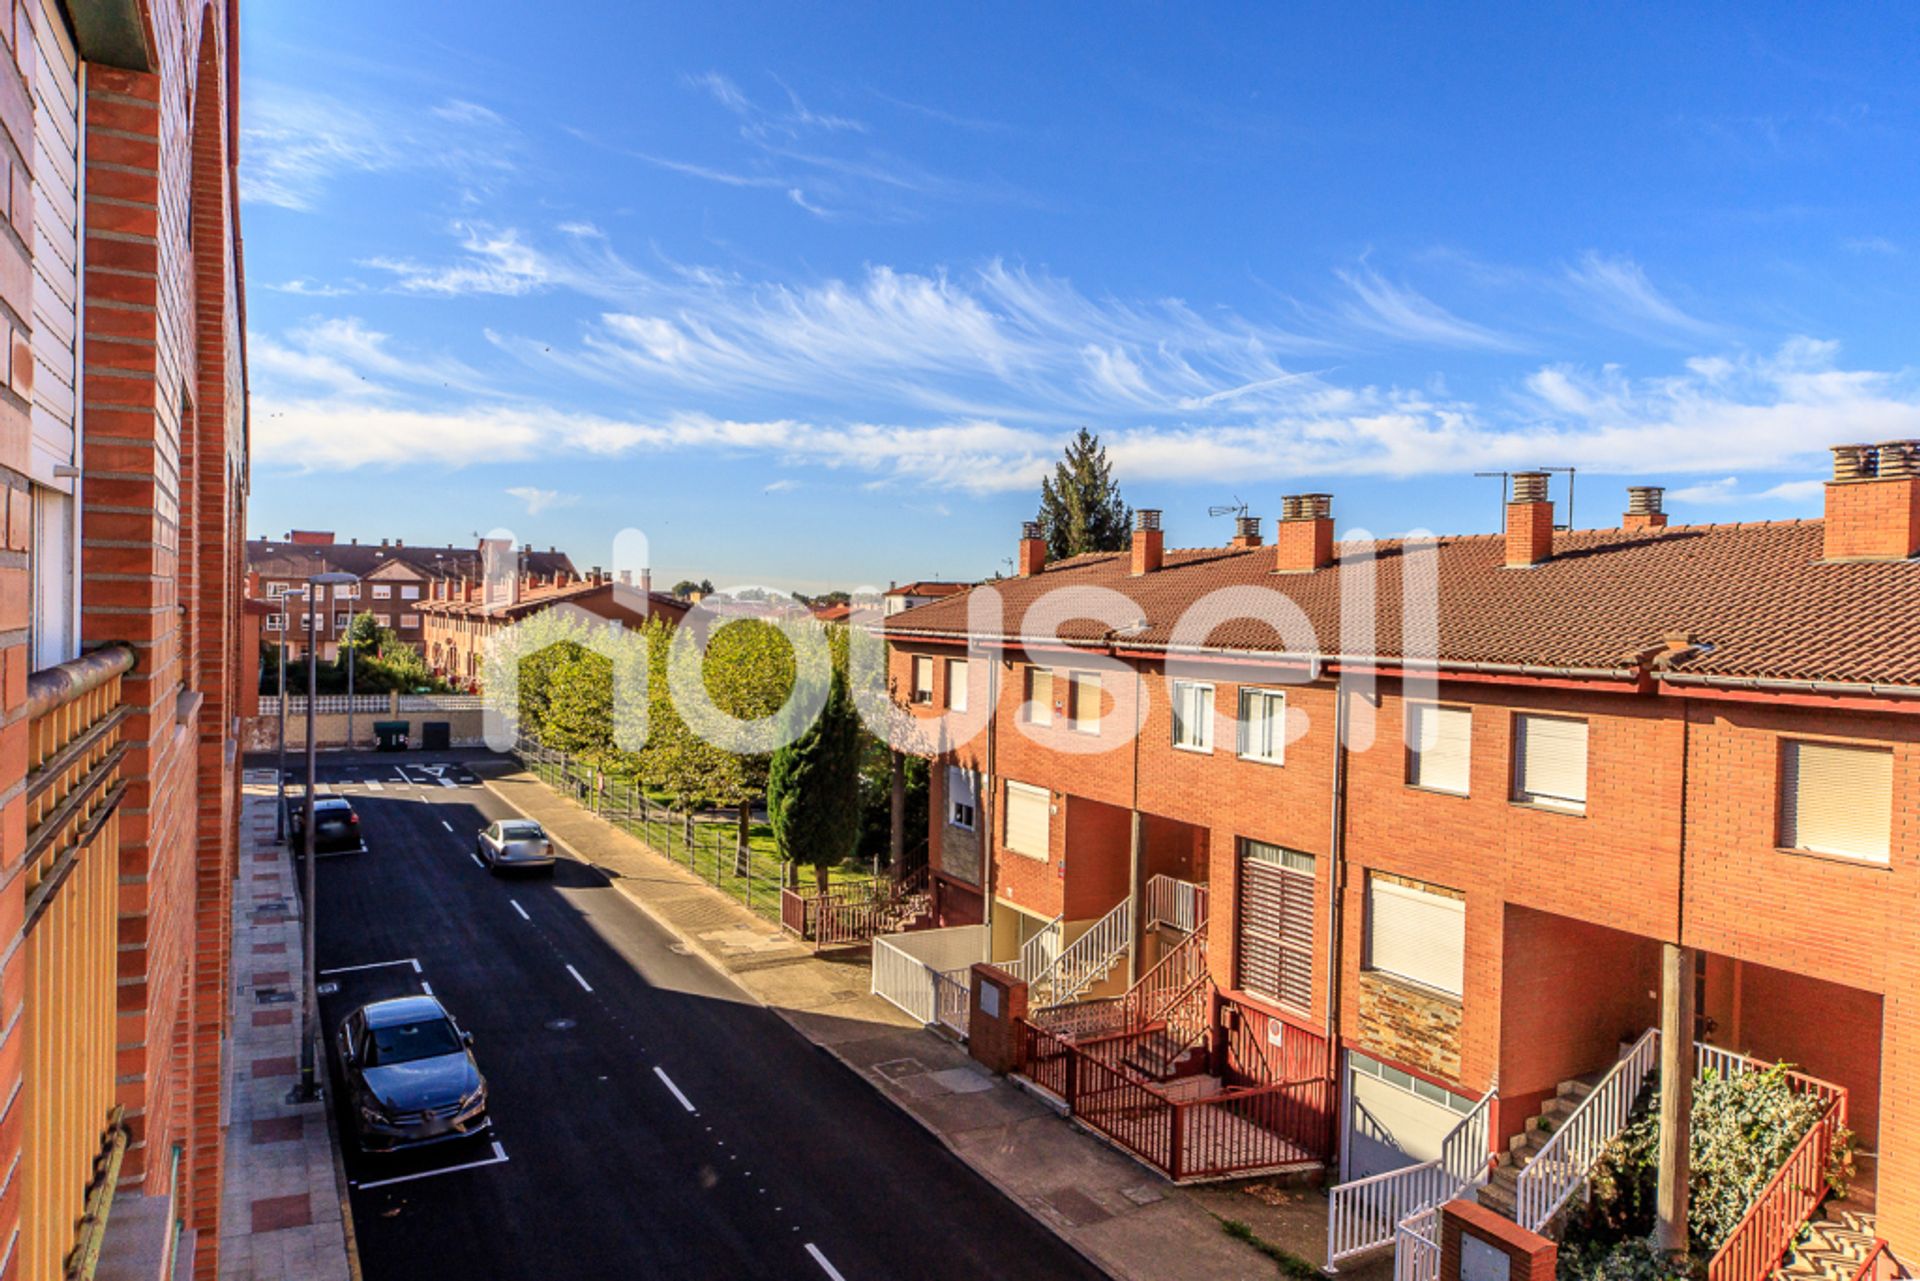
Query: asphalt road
x,y
650,1119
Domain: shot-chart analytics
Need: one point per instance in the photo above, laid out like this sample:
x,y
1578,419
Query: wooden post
x,y
1676,1095
897,831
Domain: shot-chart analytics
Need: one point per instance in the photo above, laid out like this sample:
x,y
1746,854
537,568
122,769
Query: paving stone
x,y
279,1129
270,1214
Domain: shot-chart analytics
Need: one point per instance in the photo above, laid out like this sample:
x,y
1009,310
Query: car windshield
x,y
405,1042
521,832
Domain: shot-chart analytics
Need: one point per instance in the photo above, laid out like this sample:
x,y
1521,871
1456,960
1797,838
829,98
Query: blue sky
x,y
812,297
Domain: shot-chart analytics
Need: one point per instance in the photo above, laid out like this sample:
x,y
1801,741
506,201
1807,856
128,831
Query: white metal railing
x,y
1416,1247
1037,953
1562,1163
1724,1063
953,1000
914,969
905,980
1366,1214
339,704
1176,903
1087,959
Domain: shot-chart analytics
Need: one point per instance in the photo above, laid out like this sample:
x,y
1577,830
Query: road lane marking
x,y
447,825
668,1082
499,1157
374,965
577,979
475,858
821,1259
426,987
375,785
519,909
447,782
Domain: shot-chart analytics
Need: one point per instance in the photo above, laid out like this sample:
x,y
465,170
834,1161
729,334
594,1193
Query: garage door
x,y
1394,1119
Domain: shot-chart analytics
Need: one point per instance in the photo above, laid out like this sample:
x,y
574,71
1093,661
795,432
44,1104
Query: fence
x,y
1397,1207
1176,903
918,970
1759,1241
372,704
705,847
1561,1165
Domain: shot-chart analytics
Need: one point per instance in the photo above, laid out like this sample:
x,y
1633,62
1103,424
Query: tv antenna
x,y
1505,478
1234,508
1569,474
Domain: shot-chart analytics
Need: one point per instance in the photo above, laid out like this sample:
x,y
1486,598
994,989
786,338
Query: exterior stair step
x,y
1501,1191
1833,1247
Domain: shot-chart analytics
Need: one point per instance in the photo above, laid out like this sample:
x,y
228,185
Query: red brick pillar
x,y
1478,1245
996,1025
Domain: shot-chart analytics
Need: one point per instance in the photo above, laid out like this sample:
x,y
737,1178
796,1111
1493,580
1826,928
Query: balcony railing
x,y
72,1136
1177,904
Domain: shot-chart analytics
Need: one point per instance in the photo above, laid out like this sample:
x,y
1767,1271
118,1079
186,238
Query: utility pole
x,y
309,1088
280,779
352,651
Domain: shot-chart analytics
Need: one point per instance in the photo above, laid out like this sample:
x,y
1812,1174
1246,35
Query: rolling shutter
x,y
1439,747
1273,941
1086,702
56,242
1417,934
1551,757
1029,820
1837,800
1039,696
922,679
957,684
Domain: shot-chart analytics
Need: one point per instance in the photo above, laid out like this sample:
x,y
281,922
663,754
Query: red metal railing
x,y
852,913
1879,1265
1759,1241
1262,1048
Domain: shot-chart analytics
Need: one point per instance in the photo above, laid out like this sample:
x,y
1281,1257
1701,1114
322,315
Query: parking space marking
x,y
499,1157
475,858
373,965
668,1082
426,987
447,782
402,775
821,1259
577,979
375,785
519,909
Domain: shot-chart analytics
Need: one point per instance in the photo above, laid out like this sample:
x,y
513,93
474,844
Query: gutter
x,y
1780,685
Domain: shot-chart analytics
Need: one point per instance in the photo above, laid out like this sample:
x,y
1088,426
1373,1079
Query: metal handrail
x,y
1081,962
1173,902
1038,952
1562,1163
1366,1214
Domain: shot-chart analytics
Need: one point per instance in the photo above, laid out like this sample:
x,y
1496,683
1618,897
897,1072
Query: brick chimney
x,y
1149,544
1033,549
1303,541
1644,509
1246,531
1873,502
1529,521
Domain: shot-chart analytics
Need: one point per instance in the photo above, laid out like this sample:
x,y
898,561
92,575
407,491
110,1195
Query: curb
x,y
713,962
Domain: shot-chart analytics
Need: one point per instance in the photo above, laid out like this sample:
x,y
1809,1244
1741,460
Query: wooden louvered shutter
x,y
1551,760
1836,799
1274,924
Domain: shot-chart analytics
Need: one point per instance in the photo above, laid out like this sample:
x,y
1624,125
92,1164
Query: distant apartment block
x,y
905,596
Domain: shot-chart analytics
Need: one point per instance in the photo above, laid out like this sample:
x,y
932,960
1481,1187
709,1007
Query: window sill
x,y
1543,808
1461,796
1189,748
1261,760
1861,861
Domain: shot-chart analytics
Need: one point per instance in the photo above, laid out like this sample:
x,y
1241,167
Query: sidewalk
x,y
1120,1215
282,1216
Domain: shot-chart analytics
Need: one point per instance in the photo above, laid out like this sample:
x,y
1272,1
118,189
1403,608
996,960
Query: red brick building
x,y
1599,750
124,464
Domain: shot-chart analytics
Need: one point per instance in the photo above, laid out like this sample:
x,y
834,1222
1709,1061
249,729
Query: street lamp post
x,y
280,780
309,945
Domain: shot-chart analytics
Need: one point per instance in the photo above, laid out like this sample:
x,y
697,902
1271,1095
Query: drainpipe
x,y
985,797
1337,884
1136,852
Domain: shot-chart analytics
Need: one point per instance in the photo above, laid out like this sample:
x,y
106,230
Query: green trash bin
x,y
390,736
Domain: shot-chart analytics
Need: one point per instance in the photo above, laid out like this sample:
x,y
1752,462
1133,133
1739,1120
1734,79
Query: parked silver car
x,y
514,843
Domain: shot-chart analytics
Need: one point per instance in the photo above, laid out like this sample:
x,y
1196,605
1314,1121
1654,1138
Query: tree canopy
x,y
1080,505
813,788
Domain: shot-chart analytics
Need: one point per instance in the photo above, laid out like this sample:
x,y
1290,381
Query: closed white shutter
x,y
1836,799
1418,935
922,680
1086,702
1039,696
56,242
1029,819
957,684
1551,761
1440,747
54,575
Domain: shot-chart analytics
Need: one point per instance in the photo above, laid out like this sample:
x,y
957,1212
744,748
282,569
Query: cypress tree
x,y
1080,506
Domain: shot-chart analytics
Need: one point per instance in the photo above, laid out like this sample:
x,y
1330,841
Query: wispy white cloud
x,y
537,500
342,357
1403,313
1879,245
1728,489
497,262
306,288
1617,292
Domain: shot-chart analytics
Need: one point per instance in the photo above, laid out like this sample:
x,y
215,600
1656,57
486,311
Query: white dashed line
x,y
415,963
519,909
821,1259
475,858
577,979
447,825
426,987
668,1082
498,1157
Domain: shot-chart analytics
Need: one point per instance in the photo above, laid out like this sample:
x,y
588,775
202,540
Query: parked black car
x,y
410,1077
336,828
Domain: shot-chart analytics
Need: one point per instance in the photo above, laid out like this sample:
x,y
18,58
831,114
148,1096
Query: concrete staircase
x,y
1500,1193
1833,1247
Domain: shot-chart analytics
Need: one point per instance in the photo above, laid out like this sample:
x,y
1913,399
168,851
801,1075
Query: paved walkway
x,y
1119,1214
282,1216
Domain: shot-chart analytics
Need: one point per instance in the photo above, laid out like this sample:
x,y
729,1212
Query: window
x,y
1193,716
1263,725
340,621
276,622
409,621
1440,747
1417,934
922,679
52,575
409,593
960,797
276,590
383,620
1273,928
306,622
347,591
1550,762
382,592
1836,799
957,684
1029,820
1039,696
1085,712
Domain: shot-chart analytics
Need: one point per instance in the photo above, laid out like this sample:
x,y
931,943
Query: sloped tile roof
x,y
1755,597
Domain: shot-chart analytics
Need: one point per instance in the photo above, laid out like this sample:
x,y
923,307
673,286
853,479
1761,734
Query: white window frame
x,y
1838,812
1077,682
276,622
277,590
340,622
1187,718
1248,726
1437,908
957,684
1039,710
1295,864
921,693
964,815
383,620
382,591
411,621
347,591
1417,720
1033,794
1522,733
409,592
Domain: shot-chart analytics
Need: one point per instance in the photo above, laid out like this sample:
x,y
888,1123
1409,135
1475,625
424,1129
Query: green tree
x,y
1080,505
749,672
579,713
813,788
536,684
